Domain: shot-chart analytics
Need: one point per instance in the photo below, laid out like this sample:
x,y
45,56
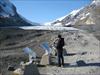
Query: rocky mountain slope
x,y
10,17
84,16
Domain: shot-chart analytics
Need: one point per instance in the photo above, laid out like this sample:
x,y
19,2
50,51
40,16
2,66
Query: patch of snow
x,y
96,3
87,14
74,12
84,16
61,18
4,14
69,23
58,24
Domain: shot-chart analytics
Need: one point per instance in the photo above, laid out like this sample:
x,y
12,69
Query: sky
x,y
42,11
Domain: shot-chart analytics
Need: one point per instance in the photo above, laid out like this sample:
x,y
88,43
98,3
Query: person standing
x,y
59,47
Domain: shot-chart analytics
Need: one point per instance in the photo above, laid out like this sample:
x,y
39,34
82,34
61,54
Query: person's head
x,y
59,36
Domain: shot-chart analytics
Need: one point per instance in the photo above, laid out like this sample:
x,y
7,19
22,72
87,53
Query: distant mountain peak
x,y
7,9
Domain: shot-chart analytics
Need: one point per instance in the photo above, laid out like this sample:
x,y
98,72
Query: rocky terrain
x,y
12,44
82,47
82,56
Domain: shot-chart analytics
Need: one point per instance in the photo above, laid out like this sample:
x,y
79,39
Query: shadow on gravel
x,y
81,63
72,54
31,70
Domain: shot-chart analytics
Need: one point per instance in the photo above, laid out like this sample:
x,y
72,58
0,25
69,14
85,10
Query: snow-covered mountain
x,y
7,9
88,15
10,17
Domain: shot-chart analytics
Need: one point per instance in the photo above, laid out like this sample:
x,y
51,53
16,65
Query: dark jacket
x,y
60,43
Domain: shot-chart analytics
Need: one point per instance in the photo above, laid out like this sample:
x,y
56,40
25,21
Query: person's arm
x,y
55,42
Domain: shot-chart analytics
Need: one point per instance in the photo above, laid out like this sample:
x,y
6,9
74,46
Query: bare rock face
x,y
95,11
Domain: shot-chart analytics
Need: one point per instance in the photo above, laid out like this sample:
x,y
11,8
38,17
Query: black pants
x,y
60,57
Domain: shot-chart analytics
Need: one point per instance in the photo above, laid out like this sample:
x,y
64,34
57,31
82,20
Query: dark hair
x,y
59,36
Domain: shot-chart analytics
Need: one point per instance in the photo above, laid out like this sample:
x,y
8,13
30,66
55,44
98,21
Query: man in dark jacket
x,y
59,48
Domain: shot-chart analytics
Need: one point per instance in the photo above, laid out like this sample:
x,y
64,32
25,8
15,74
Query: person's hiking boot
x,y
59,65
63,65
